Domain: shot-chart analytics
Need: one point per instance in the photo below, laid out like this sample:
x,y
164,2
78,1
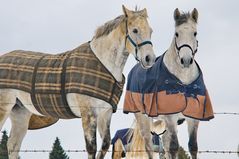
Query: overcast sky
x,y
54,26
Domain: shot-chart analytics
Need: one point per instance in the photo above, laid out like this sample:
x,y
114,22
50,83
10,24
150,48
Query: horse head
x,y
138,35
185,36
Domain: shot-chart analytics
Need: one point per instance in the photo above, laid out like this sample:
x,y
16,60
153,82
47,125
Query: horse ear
x,y
194,15
127,12
144,12
176,14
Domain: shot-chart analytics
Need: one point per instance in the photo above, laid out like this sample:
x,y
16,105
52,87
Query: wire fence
x,y
110,151
229,152
105,107
227,113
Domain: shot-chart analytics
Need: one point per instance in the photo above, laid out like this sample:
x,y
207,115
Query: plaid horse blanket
x,y
156,91
48,78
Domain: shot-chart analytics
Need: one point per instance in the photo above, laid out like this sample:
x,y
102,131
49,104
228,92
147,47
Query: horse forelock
x,y
183,18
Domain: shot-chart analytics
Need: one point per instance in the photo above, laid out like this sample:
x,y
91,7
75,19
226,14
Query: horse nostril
x,y
147,59
182,61
191,60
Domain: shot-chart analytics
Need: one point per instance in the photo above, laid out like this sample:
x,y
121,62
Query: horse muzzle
x,y
186,62
148,60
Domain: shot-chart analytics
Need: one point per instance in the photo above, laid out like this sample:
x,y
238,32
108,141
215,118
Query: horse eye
x,y
176,34
195,33
135,30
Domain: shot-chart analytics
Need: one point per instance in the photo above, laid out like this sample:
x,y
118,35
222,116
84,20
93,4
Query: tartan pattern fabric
x,y
49,77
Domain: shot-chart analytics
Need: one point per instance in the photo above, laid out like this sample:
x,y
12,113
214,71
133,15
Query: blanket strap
x,y
111,96
33,90
63,88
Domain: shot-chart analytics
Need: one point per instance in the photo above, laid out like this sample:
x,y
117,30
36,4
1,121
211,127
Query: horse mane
x,y
183,18
106,28
109,26
137,147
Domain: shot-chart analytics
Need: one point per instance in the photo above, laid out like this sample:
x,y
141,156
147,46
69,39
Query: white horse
x,y
129,33
174,96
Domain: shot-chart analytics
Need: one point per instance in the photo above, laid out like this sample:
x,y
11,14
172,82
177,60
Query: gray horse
x,y
172,89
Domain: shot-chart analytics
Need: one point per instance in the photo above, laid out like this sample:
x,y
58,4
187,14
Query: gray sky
x,y
59,25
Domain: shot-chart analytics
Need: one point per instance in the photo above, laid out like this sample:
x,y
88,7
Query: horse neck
x,y
185,75
110,50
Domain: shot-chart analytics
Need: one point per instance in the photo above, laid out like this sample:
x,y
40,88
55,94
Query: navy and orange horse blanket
x,y
156,91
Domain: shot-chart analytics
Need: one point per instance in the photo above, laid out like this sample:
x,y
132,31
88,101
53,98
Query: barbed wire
x,y
230,152
227,113
110,151
219,152
104,107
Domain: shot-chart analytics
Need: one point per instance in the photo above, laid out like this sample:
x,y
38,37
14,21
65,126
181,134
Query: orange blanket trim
x,y
160,103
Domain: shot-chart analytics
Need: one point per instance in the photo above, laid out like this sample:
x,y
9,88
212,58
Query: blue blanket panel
x,y
158,78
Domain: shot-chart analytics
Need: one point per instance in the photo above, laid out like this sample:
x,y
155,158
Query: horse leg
x,y
20,117
89,124
103,123
144,126
170,139
7,102
117,150
192,131
4,113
